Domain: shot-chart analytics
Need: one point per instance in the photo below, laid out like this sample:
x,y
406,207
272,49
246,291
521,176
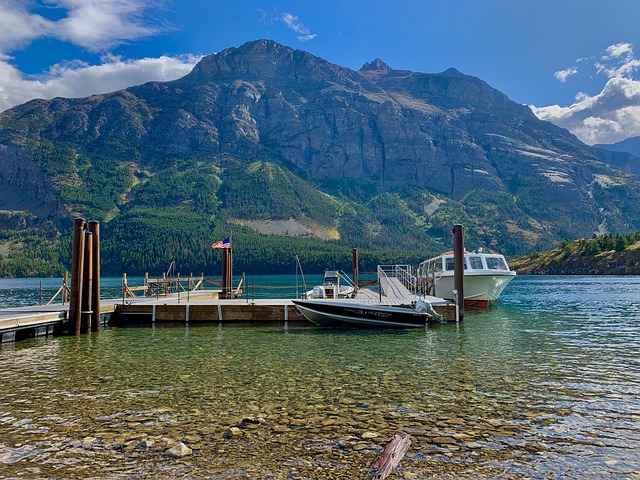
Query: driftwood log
x,y
389,458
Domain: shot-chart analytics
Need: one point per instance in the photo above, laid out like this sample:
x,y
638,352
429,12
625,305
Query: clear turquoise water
x,y
18,292
545,385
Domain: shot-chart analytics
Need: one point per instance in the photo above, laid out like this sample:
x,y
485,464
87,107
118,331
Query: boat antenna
x,y
304,283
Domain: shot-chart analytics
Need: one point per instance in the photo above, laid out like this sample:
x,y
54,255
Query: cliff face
x,y
447,134
25,187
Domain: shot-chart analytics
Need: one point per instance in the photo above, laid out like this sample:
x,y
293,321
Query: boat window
x,y
429,268
475,263
449,264
496,263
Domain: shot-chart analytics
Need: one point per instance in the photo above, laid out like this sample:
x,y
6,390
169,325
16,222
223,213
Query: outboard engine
x,y
421,305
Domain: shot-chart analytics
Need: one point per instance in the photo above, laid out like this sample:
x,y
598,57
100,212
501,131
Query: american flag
x,y
226,243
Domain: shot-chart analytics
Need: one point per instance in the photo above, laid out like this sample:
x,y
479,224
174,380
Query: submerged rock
x,y
180,450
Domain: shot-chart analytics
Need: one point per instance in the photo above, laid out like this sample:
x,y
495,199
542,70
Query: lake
x,y
544,385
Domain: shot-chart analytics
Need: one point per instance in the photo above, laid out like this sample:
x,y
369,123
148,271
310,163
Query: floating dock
x,y
200,306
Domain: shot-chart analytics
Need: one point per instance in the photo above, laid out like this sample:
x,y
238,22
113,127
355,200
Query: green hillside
x,y
604,255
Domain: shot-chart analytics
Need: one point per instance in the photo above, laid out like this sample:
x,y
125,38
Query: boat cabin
x,y
472,261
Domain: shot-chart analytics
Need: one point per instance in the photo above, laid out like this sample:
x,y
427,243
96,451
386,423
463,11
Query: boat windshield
x,y
496,263
331,278
475,263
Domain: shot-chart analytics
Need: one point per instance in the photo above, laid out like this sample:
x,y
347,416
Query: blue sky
x,y
573,61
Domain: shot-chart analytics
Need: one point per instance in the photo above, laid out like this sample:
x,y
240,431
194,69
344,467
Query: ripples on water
x,y
546,385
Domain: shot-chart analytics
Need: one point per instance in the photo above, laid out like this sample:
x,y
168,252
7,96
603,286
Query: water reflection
x,y
533,388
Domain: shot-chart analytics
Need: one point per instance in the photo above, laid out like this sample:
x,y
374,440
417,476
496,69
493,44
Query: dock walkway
x,y
197,306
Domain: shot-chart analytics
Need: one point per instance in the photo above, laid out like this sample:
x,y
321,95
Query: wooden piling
x,y
354,266
94,228
458,267
227,273
77,262
87,283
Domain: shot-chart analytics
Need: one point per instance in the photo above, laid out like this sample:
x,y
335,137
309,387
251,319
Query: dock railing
x,y
405,285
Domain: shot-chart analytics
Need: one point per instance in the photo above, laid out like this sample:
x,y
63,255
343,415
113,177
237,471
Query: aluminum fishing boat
x,y
333,314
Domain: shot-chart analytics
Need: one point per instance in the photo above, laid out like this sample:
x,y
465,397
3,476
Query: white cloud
x,y
95,25
99,24
294,23
613,114
609,117
618,61
617,50
77,79
562,75
18,27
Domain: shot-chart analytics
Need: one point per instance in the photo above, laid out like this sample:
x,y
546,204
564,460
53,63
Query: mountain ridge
x,y
386,145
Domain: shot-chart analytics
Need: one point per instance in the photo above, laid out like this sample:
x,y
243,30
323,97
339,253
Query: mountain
x,y
629,145
296,154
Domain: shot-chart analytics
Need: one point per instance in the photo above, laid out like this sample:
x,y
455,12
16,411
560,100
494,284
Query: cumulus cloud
x,y
609,117
78,79
93,25
294,23
18,27
99,24
613,114
562,75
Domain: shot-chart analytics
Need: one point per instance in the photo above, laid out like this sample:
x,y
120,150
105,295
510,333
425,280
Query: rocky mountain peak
x,y
376,65
271,62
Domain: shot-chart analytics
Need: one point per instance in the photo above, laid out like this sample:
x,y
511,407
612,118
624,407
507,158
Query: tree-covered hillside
x,y
601,255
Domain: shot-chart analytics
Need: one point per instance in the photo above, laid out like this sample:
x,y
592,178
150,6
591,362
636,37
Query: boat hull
x,y
334,314
480,290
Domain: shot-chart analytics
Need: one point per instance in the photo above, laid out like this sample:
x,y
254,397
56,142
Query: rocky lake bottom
x,y
545,385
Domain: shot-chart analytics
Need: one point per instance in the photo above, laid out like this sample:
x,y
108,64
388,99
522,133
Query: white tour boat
x,y
485,276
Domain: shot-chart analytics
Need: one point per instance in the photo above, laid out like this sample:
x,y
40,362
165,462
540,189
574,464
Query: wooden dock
x,y
193,307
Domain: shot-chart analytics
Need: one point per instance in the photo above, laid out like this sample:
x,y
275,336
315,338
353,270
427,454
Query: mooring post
x,y
458,267
124,286
87,282
77,262
94,228
354,266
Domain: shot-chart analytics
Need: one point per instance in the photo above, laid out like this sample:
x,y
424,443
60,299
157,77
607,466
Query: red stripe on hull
x,y
479,303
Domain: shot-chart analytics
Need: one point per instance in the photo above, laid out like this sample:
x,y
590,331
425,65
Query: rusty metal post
x,y
77,261
458,267
354,266
94,228
87,282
